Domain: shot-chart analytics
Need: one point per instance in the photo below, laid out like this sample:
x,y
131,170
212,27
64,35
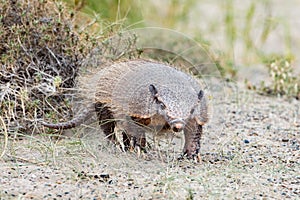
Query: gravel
x,y
250,150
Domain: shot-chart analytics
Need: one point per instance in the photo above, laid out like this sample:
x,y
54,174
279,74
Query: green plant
x,y
283,80
106,16
190,195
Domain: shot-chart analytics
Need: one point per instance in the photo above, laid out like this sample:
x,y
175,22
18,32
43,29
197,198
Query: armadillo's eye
x,y
162,105
192,111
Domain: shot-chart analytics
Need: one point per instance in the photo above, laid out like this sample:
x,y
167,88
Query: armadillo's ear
x,y
153,90
200,94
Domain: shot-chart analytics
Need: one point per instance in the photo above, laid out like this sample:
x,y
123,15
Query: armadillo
x,y
139,96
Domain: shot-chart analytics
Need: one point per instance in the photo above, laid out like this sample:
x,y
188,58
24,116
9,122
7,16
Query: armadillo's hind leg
x,y
119,137
122,138
106,120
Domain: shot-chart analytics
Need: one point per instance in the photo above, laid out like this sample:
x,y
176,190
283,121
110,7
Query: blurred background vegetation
x,y
241,34
242,31
244,36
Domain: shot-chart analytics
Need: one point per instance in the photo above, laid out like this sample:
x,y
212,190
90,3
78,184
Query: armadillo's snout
x,y
177,125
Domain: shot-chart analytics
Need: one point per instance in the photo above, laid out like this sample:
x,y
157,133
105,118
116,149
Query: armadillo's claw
x,y
119,138
138,151
195,157
132,145
198,158
141,153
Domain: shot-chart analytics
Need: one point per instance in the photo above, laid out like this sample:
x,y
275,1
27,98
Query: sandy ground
x,y
250,150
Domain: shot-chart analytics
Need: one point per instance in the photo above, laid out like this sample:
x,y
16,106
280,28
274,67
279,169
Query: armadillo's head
x,y
176,110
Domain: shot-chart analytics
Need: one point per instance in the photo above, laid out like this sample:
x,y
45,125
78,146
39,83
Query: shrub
x,y
283,81
40,56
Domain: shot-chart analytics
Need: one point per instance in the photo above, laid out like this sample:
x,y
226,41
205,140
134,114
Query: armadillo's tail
x,y
73,122
64,125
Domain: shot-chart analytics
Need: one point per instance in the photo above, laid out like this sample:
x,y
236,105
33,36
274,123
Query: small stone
x,y
246,141
104,176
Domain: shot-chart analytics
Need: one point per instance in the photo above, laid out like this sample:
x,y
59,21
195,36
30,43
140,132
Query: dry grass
x,y
40,57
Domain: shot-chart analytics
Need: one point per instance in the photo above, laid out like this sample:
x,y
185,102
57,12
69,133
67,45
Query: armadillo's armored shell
x,y
130,89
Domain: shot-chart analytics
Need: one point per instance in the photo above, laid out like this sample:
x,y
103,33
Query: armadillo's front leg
x,y
138,139
135,133
192,135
